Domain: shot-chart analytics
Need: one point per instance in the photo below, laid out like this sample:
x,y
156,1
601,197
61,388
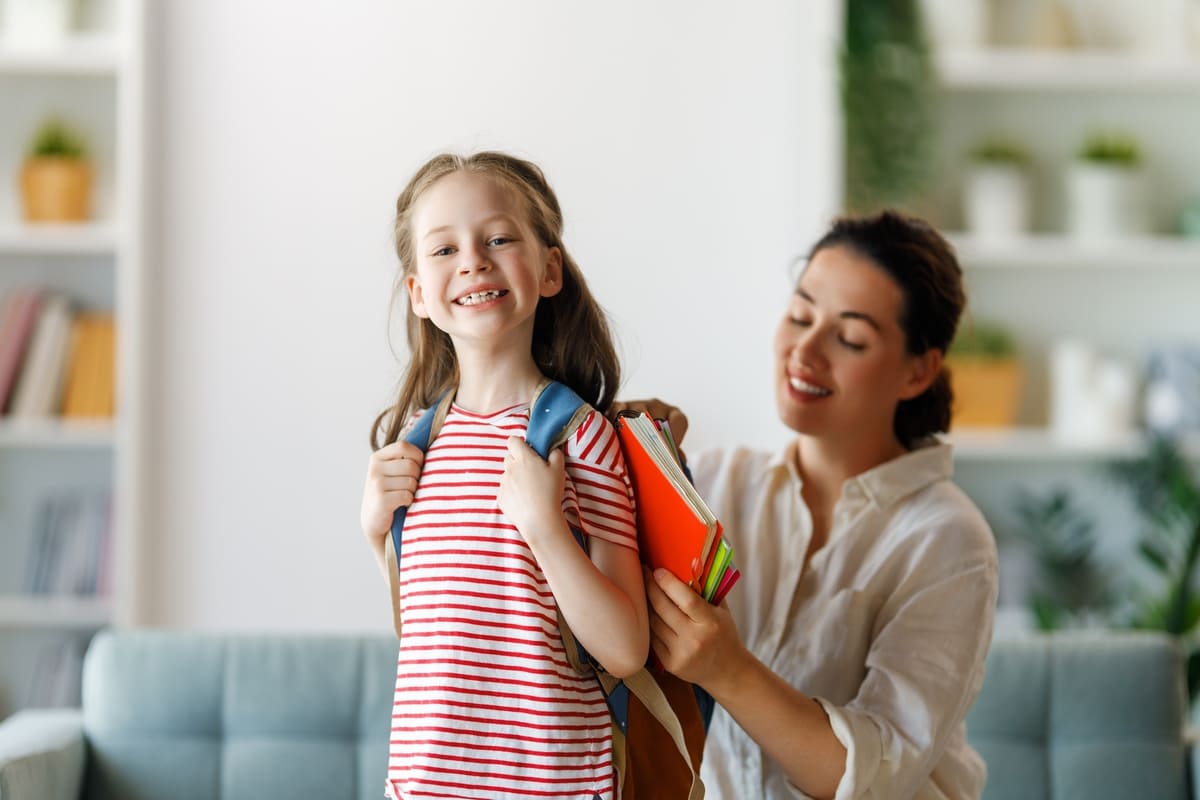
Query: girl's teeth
x,y
478,297
808,388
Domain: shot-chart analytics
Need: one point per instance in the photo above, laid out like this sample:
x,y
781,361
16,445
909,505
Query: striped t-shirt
x,y
486,704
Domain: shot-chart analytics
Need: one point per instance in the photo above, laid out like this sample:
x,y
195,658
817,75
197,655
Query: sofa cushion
x,y
204,717
1082,715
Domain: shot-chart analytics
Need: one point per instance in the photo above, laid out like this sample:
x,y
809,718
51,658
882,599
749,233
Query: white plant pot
x,y
1152,26
36,23
1106,202
955,24
996,201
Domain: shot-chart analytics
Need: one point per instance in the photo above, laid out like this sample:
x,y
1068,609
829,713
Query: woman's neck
x,y
495,381
825,463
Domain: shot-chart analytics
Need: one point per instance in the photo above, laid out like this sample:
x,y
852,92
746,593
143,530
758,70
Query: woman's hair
x,y
922,263
572,343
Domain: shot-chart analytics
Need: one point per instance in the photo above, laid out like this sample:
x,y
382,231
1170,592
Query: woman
x,y
845,662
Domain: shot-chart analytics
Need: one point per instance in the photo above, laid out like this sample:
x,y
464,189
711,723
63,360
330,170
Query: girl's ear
x,y
552,281
922,370
416,296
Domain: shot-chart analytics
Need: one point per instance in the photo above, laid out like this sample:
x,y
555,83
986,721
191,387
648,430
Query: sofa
x,y
193,716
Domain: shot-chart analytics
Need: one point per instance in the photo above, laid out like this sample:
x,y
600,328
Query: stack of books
x,y
676,529
54,360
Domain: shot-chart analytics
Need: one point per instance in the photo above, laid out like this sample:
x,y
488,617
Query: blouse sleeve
x,y
924,668
599,497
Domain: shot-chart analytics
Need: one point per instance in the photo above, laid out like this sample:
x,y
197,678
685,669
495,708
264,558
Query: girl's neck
x,y
492,382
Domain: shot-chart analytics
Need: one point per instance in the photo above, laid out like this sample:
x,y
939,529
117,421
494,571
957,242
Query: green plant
x,y
1000,152
1112,148
983,340
1070,584
1166,492
54,139
888,95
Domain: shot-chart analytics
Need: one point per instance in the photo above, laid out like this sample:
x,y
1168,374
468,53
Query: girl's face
x,y
479,268
842,364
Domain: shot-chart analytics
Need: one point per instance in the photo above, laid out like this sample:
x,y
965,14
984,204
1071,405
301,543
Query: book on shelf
x,y
89,381
57,674
69,550
18,316
676,529
42,375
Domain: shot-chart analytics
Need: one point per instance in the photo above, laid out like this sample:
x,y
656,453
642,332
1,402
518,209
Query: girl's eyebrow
x,y
502,217
859,315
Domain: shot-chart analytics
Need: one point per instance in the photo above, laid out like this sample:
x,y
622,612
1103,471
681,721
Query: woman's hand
x,y
531,490
392,475
656,408
691,637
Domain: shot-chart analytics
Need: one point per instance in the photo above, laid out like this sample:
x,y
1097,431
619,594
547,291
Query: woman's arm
x,y
601,597
699,643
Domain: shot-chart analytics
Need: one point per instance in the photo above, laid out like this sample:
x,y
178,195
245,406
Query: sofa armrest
x,y
42,755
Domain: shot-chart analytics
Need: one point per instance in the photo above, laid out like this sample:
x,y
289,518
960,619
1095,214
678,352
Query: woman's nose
x,y
806,348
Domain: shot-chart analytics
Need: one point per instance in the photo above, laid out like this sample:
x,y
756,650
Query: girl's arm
x,y
601,597
392,474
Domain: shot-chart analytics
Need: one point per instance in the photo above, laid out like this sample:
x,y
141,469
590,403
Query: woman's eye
x,y
801,322
858,348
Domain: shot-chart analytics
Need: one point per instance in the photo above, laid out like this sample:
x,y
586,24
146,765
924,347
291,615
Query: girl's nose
x,y
474,259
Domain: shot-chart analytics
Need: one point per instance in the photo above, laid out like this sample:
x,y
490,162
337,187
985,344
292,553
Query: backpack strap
x,y
420,435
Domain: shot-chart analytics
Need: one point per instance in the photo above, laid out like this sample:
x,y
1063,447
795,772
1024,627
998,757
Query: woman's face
x,y
842,364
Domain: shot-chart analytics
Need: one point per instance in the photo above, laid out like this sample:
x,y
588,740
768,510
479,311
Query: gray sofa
x,y
202,717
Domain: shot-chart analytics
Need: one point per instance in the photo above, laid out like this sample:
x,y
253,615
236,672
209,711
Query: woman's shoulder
x,y
942,514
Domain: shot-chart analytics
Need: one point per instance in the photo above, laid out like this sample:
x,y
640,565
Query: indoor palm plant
x,y
56,176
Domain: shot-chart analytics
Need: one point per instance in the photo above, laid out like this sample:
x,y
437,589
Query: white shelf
x,y
56,433
1051,70
60,612
1040,444
87,238
1064,252
79,55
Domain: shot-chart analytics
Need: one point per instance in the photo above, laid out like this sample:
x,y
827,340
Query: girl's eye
x,y
443,251
496,241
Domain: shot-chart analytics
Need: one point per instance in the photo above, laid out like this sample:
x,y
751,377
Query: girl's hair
x,y
922,263
572,343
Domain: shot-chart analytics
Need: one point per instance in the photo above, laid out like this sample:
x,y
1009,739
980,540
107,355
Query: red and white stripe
x,y
486,704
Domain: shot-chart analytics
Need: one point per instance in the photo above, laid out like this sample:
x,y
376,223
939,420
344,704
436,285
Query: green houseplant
x,y
56,176
1106,188
986,375
888,91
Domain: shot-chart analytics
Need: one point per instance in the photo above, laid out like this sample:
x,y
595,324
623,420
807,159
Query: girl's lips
x,y
480,296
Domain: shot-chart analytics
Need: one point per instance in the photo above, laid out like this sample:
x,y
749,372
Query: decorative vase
x,y
34,23
56,190
955,24
987,391
1106,201
996,201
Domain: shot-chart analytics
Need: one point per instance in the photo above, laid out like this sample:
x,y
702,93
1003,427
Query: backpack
x,y
659,720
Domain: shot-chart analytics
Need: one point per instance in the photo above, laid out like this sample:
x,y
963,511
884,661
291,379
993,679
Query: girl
x,y
857,640
486,704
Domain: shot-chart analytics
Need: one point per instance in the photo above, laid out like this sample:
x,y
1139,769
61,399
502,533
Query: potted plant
x,y
56,177
1106,189
986,376
996,190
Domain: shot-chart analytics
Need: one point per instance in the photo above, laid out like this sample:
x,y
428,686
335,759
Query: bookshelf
x,y
94,79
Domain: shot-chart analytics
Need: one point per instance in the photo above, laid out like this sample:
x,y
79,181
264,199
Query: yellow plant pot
x,y
986,392
56,190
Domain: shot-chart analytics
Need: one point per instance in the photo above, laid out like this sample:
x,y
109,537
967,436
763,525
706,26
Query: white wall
x,y
693,147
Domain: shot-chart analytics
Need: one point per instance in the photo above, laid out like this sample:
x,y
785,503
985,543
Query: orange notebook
x,y
676,530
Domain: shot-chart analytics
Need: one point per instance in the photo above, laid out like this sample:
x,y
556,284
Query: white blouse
x,y
887,627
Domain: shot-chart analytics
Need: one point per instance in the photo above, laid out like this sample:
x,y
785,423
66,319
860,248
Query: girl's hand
x,y
392,475
691,637
531,490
